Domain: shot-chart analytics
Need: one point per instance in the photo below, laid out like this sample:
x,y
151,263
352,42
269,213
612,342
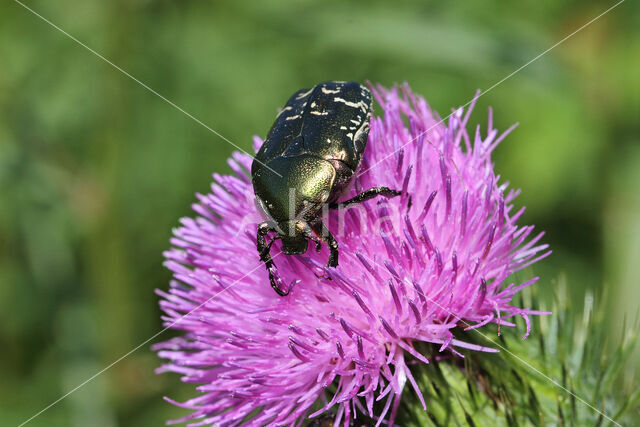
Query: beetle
x,y
307,160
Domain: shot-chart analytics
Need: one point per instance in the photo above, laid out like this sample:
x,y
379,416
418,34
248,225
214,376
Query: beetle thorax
x,y
305,185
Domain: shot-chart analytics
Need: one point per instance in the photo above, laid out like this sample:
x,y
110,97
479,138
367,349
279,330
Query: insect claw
x,y
324,274
292,284
276,284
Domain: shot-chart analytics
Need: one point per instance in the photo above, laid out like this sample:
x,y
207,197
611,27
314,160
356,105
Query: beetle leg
x,y
263,249
366,195
274,285
309,234
326,235
317,241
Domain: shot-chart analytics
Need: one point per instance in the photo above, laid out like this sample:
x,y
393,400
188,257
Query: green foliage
x,y
566,373
95,170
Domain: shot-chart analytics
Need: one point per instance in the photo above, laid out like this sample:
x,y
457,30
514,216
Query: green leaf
x,y
562,374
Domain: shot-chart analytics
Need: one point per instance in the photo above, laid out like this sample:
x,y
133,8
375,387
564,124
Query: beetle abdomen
x,y
330,120
336,121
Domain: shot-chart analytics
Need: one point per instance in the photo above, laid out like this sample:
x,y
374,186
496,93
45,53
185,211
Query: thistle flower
x,y
413,268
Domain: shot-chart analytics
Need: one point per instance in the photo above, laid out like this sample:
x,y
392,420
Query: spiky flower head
x,y
418,267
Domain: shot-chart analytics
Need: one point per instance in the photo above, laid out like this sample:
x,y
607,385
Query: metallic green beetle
x,y
307,160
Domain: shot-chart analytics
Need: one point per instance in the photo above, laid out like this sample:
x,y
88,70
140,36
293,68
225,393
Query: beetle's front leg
x,y
366,195
263,249
265,255
322,230
310,234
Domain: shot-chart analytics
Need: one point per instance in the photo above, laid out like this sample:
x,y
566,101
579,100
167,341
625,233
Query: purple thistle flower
x,y
412,268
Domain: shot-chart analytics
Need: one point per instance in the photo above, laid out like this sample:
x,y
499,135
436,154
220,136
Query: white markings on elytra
x,y
302,95
320,113
287,108
360,104
293,117
364,128
347,103
343,128
330,91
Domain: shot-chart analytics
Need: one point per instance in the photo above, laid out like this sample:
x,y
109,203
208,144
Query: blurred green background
x,y
95,170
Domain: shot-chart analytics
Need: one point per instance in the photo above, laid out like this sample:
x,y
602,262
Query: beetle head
x,y
294,239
